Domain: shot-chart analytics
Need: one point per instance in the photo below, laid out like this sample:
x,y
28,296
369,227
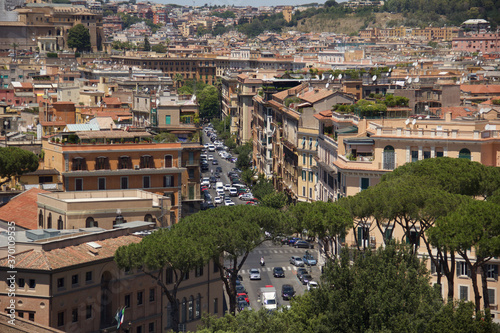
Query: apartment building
x,y
68,280
229,106
247,87
480,42
120,160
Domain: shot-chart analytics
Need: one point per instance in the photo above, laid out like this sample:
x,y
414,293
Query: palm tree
x,y
177,79
167,41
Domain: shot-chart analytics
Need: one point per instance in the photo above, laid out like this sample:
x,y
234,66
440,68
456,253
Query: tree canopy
x,y
15,161
79,38
208,99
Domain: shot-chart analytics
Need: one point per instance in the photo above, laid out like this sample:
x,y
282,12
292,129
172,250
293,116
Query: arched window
x,y
40,219
464,153
89,222
389,160
183,310
148,218
168,161
198,306
190,308
60,223
49,221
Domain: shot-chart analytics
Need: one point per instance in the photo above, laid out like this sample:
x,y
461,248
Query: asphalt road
x,y
275,255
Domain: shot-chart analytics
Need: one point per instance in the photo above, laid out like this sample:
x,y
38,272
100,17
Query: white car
x,y
228,202
218,200
312,285
220,192
297,261
233,191
210,157
205,181
211,148
254,274
227,187
246,196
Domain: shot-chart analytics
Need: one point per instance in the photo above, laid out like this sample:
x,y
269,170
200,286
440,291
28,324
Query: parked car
x,y
233,192
227,187
306,278
309,259
205,182
254,274
292,240
302,244
218,200
240,289
300,272
312,285
243,305
215,162
218,169
245,196
296,261
278,272
287,291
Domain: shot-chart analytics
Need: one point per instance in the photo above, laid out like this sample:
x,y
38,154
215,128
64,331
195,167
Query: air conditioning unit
x,y
136,167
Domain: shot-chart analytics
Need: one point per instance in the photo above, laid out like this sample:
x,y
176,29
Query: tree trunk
x,y
475,287
484,280
174,316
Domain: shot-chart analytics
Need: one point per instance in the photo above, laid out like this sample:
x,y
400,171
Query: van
x,y
211,148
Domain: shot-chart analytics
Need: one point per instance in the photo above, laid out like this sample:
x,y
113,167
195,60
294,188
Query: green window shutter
x,y
360,232
167,120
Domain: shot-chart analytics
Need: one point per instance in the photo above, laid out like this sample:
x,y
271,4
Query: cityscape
x,y
183,167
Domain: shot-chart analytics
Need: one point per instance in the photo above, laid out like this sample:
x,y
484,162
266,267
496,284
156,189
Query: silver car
x,y
297,261
254,274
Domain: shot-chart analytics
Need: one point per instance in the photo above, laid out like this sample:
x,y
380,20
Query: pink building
x,y
485,43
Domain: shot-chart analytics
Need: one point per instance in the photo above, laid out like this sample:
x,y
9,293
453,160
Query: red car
x,y
245,296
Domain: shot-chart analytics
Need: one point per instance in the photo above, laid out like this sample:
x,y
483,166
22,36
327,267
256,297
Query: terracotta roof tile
x,y
22,209
70,255
316,95
480,88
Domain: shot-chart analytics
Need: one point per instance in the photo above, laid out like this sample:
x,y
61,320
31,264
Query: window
x,y
101,163
413,238
310,192
198,270
304,160
60,318
186,276
310,160
191,308
492,271
216,268
79,184
74,315
40,219
139,329
101,183
31,316
464,293
151,327
60,283
167,120
79,164
311,176
168,181
389,158
74,279
198,306
439,154
388,233
183,310
20,283
139,297
89,222
365,183
303,191
414,155
88,276
464,153
60,223
147,162
191,173
169,276
88,312
427,154
216,305
124,183
146,181
363,236
463,269
168,161
304,173
491,295
152,294
32,284
124,162
127,301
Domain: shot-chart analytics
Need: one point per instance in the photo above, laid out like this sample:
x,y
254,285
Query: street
x,y
275,255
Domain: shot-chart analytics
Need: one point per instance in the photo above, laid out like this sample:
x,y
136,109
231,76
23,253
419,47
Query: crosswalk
x,y
269,269
291,251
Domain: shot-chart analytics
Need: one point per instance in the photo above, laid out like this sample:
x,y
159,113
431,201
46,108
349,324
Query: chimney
x,y
447,117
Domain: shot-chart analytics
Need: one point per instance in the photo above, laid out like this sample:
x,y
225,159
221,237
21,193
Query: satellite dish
x,y
414,121
417,79
407,121
487,127
374,78
407,77
340,77
390,69
327,85
409,80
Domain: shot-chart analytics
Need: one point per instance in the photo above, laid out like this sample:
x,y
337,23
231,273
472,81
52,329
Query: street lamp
x,y
5,124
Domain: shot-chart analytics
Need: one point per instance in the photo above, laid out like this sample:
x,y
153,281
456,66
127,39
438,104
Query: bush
x,y
51,55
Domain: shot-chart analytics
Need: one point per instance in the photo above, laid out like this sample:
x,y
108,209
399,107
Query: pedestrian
x,y
212,171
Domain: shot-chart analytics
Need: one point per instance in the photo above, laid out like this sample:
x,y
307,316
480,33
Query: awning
x,y
359,141
345,130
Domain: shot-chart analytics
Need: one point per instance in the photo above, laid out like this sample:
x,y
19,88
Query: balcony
x,y
190,163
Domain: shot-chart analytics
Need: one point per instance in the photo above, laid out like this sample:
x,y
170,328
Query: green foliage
x,y
189,87
248,176
391,100
275,200
79,38
225,15
208,100
147,45
51,55
293,99
15,161
117,45
230,142
263,187
244,155
432,44
495,101
159,48
165,137
129,20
